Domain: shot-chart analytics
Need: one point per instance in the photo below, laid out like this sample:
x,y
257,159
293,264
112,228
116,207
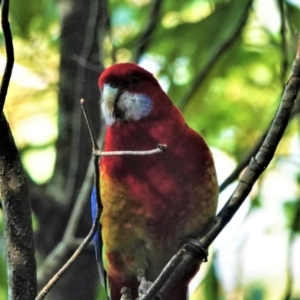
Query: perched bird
x,y
152,204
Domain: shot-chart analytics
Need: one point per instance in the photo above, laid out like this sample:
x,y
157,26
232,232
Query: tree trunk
x,y
53,203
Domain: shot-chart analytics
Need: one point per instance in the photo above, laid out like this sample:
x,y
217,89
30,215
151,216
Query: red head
x,y
130,93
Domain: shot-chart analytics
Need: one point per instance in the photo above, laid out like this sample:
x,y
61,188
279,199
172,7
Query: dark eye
x,y
134,79
112,84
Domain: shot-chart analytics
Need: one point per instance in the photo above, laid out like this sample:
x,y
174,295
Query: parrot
x,y
151,204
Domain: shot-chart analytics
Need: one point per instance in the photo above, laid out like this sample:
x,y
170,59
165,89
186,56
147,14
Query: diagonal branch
x,y
284,52
9,48
214,58
253,151
96,8
69,242
244,163
145,38
67,265
187,255
95,225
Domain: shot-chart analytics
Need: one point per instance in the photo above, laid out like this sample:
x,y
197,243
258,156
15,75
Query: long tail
x,y
98,240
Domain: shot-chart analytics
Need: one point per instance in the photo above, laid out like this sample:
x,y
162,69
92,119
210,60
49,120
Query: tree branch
x,y
144,41
161,148
187,255
18,232
284,51
70,186
95,226
85,242
244,163
66,266
9,48
68,243
214,58
90,30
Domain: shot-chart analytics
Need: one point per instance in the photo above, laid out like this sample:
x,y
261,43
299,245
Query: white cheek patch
x,y
134,106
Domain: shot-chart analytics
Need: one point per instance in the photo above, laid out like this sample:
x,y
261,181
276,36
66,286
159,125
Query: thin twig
x,y
213,58
244,163
90,127
66,266
254,170
96,161
97,185
67,245
284,49
96,13
161,148
69,242
96,222
79,204
145,39
9,48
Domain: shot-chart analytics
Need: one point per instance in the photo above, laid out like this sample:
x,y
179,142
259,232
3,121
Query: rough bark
x,y
17,219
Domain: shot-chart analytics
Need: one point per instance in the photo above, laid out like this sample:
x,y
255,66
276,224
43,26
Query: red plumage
x,y
151,204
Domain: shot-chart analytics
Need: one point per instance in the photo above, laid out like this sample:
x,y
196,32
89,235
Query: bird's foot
x,y
126,294
144,284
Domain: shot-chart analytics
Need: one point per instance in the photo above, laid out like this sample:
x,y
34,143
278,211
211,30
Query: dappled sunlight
x,y
40,163
192,13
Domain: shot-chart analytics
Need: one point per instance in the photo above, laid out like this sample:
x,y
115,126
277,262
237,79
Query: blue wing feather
x,y
98,240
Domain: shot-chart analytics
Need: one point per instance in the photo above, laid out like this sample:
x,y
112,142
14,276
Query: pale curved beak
x,y
108,99
109,96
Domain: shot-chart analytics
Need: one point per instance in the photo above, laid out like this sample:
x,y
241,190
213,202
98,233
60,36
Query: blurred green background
x,y
223,62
